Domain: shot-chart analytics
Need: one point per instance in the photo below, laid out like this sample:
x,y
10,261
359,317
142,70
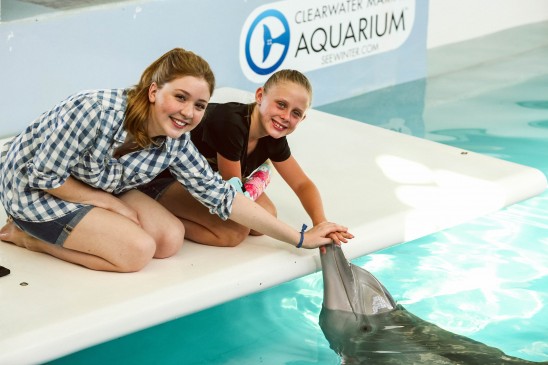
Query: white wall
x,y
451,21
109,46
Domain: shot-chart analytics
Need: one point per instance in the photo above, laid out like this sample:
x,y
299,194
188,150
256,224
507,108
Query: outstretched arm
x,y
250,214
308,194
304,188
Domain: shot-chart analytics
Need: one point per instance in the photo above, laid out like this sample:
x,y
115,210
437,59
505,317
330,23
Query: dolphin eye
x,y
366,328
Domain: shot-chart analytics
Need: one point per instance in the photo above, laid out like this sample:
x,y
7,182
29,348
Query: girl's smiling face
x,y
177,107
282,108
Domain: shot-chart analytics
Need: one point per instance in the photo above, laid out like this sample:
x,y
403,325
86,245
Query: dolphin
x,y
364,325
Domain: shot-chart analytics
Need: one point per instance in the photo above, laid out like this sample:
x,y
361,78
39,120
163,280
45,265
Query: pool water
x,y
486,279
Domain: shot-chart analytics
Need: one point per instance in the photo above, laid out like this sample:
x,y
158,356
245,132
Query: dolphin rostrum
x,y
364,325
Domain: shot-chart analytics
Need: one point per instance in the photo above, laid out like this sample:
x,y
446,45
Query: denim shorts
x,y
157,187
55,231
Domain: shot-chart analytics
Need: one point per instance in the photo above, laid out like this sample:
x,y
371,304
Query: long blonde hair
x,y
173,64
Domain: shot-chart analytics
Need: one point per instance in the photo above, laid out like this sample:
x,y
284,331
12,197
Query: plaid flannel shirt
x,y
78,138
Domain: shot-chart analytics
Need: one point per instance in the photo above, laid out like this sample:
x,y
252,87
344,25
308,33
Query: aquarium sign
x,y
310,34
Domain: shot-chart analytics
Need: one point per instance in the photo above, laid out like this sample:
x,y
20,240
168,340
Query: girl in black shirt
x,y
237,138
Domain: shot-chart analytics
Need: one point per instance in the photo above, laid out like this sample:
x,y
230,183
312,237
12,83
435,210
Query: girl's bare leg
x,y
200,225
104,240
166,229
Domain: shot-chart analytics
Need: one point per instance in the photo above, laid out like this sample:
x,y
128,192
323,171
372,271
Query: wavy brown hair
x,y
174,64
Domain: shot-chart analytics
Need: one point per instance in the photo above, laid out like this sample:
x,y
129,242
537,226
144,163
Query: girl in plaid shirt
x,y
68,181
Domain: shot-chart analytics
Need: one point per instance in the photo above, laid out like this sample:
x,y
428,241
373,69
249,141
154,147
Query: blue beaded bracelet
x,y
302,236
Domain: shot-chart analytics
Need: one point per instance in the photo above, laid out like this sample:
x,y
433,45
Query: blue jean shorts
x,y
55,231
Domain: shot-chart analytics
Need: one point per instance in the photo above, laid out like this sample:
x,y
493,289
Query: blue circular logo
x,y
263,64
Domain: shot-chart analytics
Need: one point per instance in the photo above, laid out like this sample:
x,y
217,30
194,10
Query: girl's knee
x,y
233,237
139,255
170,242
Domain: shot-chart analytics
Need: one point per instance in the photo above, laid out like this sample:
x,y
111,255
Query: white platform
x,y
387,187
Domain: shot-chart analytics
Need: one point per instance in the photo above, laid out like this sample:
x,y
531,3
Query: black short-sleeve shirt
x,y
225,130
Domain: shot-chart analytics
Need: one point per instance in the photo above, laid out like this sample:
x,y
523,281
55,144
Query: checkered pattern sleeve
x,y
69,132
57,144
193,171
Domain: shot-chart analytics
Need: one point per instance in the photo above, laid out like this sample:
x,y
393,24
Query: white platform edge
x,y
387,187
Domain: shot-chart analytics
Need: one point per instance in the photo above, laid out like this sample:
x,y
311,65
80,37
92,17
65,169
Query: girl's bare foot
x,y
12,234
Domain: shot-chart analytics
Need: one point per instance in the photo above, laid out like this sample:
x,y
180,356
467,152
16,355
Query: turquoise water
x,y
486,279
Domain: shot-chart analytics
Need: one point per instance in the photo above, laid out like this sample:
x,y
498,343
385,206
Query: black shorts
x,y
157,187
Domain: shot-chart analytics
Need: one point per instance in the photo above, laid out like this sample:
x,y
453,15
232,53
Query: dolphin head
x,y
363,324
350,288
354,306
